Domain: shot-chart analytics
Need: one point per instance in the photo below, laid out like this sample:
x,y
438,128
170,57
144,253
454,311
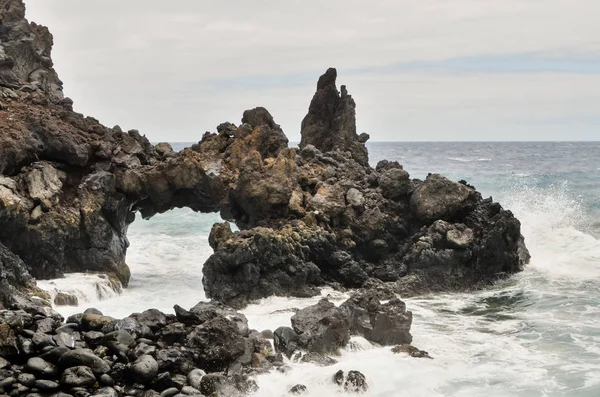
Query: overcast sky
x,y
418,70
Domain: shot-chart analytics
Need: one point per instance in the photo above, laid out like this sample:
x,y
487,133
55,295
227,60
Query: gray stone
x,y
218,343
385,324
7,382
460,238
395,182
213,383
41,340
318,359
69,328
93,337
93,321
80,376
356,382
44,182
84,357
298,389
145,369
165,149
46,325
118,341
321,328
439,198
141,349
8,341
41,367
355,198
65,299
194,378
107,392
106,380
338,378
46,385
190,391
8,182
64,339
26,379
19,390
55,354
169,392
285,341
153,318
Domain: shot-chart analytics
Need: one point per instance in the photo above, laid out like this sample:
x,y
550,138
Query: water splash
x,y
88,288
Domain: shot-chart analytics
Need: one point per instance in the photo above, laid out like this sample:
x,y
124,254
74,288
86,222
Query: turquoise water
x,y
536,334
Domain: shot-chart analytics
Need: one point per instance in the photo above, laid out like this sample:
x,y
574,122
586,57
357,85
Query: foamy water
x,y
536,334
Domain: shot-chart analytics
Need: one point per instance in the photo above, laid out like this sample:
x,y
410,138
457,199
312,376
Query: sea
x,y
535,334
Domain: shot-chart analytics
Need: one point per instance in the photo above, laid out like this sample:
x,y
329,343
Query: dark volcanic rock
x,y
385,324
308,217
194,378
145,369
41,367
64,299
321,328
78,377
218,344
298,389
411,351
205,311
16,283
286,341
440,198
86,358
8,341
356,382
261,263
153,319
331,120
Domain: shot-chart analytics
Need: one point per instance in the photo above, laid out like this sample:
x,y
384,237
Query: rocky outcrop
x,y
321,328
350,224
324,328
308,217
331,121
17,286
385,324
25,62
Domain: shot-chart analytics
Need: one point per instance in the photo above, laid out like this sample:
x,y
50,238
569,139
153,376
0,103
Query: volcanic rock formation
x,y
308,217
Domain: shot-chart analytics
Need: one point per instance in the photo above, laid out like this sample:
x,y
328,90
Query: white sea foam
x,y
88,288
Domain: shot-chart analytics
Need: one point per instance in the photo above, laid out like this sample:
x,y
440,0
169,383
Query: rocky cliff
x,y
308,217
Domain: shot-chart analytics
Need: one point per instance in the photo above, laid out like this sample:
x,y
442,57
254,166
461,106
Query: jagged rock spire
x,y
25,62
331,120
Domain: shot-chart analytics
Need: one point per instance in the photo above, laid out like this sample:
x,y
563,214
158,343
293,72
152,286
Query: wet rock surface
x,y
411,351
321,328
384,324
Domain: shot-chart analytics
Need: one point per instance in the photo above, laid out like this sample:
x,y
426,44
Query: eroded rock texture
x,y
69,188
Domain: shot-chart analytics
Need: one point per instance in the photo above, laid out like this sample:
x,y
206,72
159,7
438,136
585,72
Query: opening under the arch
x,y
166,256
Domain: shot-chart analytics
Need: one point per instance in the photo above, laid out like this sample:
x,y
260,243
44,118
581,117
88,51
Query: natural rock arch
x,y
317,215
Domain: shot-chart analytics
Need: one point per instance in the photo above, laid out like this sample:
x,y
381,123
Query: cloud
x,y
432,69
